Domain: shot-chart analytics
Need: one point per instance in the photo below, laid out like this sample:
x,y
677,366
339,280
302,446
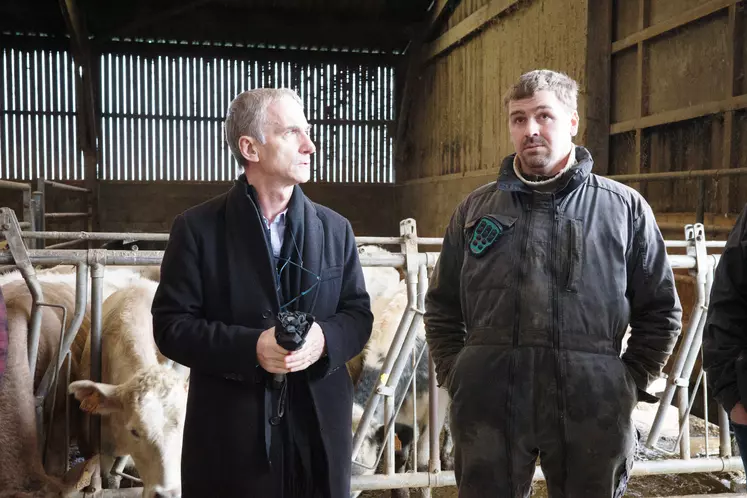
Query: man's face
x,y
286,154
541,130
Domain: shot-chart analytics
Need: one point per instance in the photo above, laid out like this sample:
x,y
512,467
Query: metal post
x,y
37,205
724,433
20,255
696,236
97,294
408,231
683,400
28,214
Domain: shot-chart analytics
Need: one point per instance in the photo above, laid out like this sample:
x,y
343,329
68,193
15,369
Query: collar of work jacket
x,y
574,177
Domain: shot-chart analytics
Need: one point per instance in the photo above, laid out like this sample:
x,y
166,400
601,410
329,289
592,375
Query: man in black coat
x,y
263,421
725,333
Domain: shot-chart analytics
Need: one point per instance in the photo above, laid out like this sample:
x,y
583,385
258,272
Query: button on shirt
x,y
277,232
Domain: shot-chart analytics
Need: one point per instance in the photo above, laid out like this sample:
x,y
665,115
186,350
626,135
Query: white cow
x,y
386,321
143,401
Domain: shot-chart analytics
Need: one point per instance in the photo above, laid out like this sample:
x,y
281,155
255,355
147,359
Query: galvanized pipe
x,y
97,295
97,235
37,296
81,295
683,243
14,185
708,228
724,433
24,224
37,212
676,373
74,256
66,215
434,463
705,407
683,400
640,468
373,400
45,437
63,245
65,186
389,436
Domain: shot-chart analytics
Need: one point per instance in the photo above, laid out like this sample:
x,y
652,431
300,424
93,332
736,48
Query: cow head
x,y
147,423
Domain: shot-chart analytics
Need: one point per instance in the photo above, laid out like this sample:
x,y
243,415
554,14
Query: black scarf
x,y
289,442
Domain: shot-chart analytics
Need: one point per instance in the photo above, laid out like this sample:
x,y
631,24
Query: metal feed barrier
x,y
416,265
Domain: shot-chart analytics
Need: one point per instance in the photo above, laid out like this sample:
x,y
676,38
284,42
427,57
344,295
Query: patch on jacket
x,y
486,232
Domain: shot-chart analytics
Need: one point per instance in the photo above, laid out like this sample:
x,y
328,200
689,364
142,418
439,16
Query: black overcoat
x,y
216,296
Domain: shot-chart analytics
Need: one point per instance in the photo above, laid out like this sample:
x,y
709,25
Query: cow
x,y
22,473
141,398
381,282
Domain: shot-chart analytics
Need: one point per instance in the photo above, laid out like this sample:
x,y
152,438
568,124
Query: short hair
x,y
562,85
247,115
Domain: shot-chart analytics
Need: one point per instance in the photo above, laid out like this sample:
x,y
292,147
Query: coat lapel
x,y
249,259
313,248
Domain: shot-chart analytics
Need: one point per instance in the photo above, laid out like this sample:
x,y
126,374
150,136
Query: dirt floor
x,y
648,486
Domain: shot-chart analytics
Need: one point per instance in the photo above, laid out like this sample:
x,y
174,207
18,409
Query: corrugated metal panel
x,y
37,115
169,123
162,116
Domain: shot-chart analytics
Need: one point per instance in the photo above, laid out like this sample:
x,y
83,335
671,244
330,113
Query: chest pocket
x,y
571,252
490,252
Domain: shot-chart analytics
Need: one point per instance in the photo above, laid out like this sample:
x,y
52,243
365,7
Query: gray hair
x,y
247,115
562,85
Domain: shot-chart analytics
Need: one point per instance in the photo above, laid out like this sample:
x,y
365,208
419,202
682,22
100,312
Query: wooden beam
x,y
641,153
677,115
74,23
733,69
132,27
86,101
677,21
470,26
439,6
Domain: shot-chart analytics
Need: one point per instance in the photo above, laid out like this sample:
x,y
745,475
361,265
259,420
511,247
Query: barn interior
x,y
126,100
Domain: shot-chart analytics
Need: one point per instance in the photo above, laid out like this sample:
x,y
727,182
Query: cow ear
x,y
96,398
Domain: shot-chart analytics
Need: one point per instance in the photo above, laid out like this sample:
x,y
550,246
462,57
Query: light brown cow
x,y
142,400
21,471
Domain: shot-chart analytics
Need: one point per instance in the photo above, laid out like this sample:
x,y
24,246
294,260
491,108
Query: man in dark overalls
x,y
540,274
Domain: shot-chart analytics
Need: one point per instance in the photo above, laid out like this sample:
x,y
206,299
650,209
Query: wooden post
x,y
87,102
641,144
733,70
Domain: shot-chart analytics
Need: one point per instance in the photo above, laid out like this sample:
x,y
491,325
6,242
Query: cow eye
x,y
135,433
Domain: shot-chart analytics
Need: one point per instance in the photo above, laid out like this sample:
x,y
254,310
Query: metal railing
x,y
416,265
34,207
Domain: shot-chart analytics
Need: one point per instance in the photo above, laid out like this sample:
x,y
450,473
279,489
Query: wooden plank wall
x,y
152,206
678,99
458,131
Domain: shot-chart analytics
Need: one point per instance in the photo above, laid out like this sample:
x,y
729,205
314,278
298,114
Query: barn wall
x,y
152,206
678,99
457,130
662,89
